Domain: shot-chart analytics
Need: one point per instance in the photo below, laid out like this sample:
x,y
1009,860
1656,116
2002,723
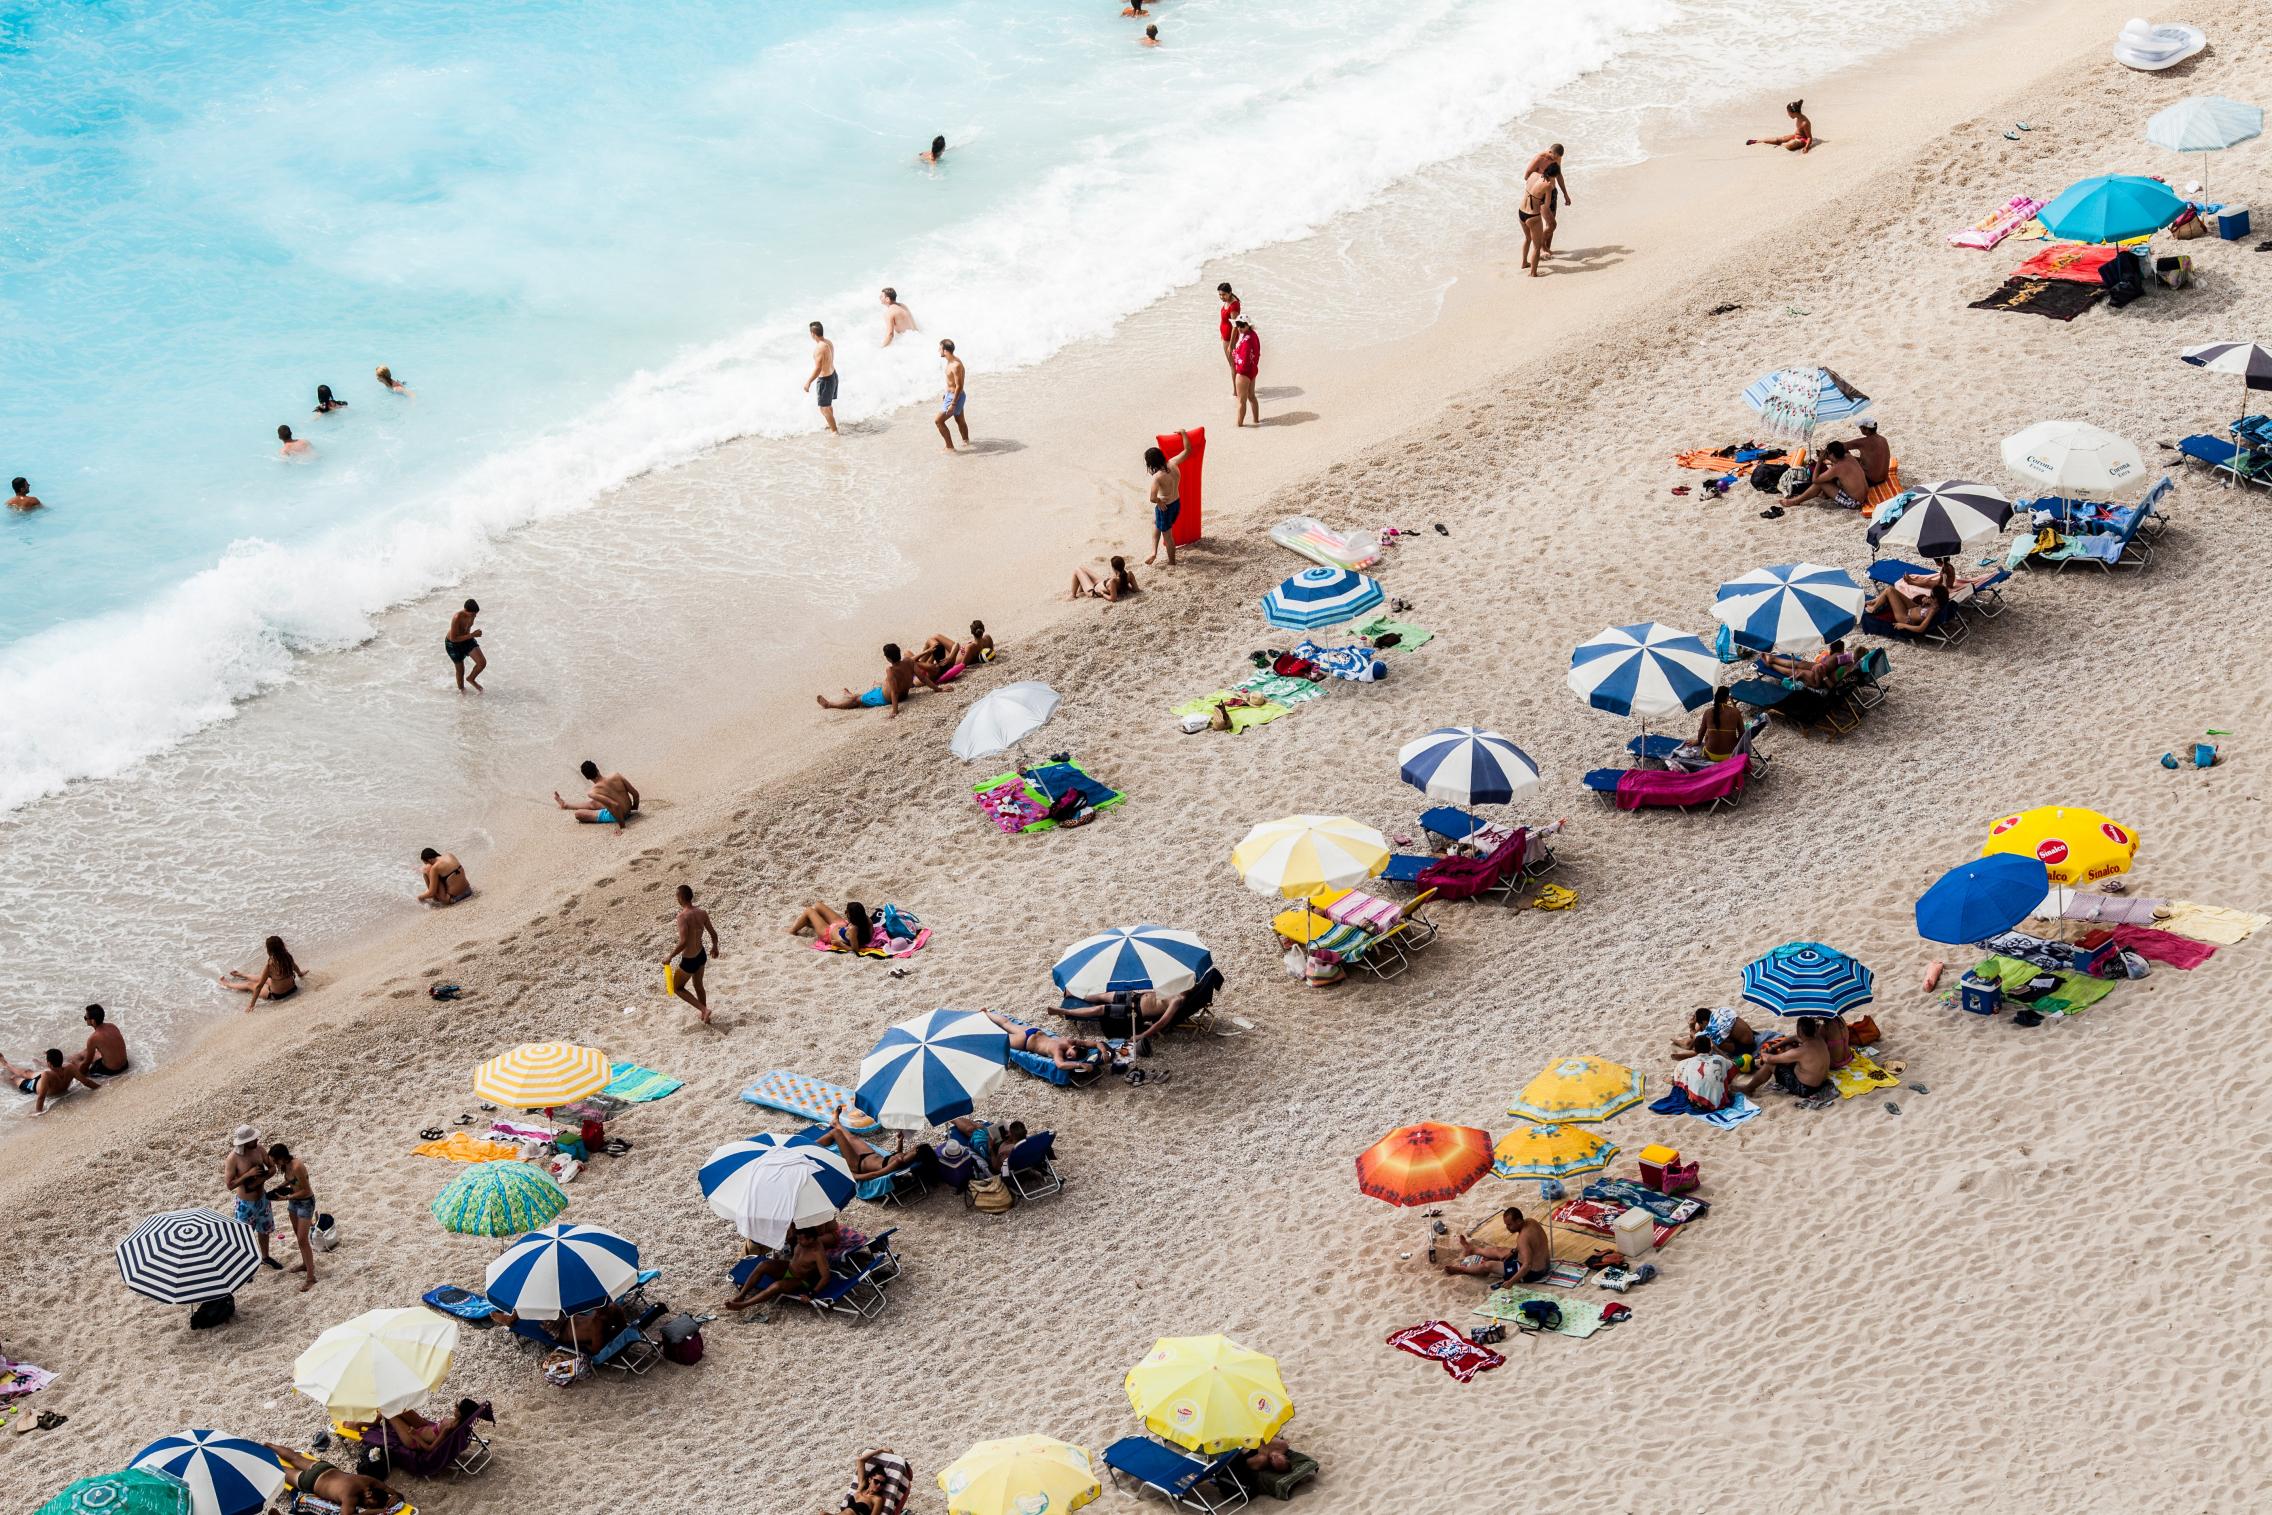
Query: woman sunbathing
x,y
1910,606
851,931
803,1271
1816,672
412,1429
865,1161
1072,1053
279,976
1088,583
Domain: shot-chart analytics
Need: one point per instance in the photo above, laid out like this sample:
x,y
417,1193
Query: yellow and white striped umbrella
x,y
1019,1475
380,1363
1300,855
539,1075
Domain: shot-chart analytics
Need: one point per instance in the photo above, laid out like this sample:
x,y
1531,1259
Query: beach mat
x,y
635,1085
2067,260
461,1147
1862,1075
808,1098
2057,299
1244,718
1410,638
2154,946
1280,689
2220,924
1438,1342
1579,1317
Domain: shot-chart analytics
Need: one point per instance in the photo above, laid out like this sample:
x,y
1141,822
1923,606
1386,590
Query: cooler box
x,y
2232,222
1635,1231
1980,996
1656,1160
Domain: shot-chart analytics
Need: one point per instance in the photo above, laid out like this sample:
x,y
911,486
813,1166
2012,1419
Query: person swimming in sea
x,y
385,375
293,447
23,501
938,151
1801,136
1151,37
325,402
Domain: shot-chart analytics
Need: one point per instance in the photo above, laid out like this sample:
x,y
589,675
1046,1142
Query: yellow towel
x,y
458,1147
1860,1076
2212,923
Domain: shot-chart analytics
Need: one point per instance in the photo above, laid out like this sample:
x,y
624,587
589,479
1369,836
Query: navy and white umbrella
x,y
770,1183
1945,519
185,1257
227,1475
1321,597
1130,958
1646,670
1791,607
927,1071
564,1269
1806,978
1466,765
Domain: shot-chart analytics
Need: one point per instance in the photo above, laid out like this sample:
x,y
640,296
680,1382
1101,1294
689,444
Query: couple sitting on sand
x,y
104,1056
939,660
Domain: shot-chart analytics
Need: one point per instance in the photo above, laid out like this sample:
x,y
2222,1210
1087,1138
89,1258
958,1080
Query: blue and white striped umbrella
x,y
1130,958
1806,978
1466,765
564,1269
1793,402
227,1475
1791,607
1320,597
1646,670
769,1183
927,1071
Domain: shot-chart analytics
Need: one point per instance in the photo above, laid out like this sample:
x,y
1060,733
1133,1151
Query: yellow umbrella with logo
x,y
1209,1394
2075,846
1019,1475
541,1075
1578,1089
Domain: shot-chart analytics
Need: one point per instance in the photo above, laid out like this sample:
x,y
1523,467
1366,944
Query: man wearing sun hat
x,y
245,1175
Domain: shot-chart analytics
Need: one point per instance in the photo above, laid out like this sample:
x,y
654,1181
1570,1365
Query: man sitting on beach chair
x,y
351,1492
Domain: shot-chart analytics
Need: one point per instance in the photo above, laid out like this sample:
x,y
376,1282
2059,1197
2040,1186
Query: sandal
x,y
462,1120
430,1134
1772,512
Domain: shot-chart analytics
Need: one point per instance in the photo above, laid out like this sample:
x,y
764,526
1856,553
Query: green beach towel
x,y
1506,1305
2076,991
635,1085
1281,690
1242,717
1410,638
1033,792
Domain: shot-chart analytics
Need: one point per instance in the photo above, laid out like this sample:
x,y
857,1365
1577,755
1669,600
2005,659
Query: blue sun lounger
x,y
1176,1475
859,1293
1947,628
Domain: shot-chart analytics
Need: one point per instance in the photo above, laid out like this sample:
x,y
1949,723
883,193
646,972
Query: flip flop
x,y
463,1120
1440,530
2011,136
1772,513
1891,1108
1919,1089
430,1134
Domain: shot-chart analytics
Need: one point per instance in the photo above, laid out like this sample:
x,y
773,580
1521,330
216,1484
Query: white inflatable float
x,y
2150,46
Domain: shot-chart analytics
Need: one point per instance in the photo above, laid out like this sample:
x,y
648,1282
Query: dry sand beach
x,y
2035,1286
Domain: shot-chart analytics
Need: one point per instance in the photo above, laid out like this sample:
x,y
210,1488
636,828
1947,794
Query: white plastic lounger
x,y
1320,543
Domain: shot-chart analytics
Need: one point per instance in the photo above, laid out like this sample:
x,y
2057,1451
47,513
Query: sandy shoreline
x,y
1932,1272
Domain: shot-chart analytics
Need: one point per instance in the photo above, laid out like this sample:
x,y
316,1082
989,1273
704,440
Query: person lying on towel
x,y
1072,1053
352,1492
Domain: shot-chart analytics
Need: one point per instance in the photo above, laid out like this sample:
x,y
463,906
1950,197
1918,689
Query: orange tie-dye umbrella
x,y
1424,1164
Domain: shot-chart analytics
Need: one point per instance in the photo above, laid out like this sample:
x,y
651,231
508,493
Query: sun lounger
x,y
2117,547
810,1099
1300,1469
1663,789
1320,543
1498,872
1406,867
1998,223
1835,710
1671,752
857,1292
2235,461
1030,1169
462,1453
308,1504
1185,1481
1947,628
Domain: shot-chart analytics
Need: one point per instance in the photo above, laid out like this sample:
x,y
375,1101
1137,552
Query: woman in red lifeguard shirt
x,y
1246,364
1230,313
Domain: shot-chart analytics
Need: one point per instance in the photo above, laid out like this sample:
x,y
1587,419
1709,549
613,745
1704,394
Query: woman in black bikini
x,y
446,882
279,976
865,1161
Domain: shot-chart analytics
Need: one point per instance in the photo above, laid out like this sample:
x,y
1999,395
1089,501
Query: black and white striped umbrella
x,y
2252,361
1945,519
184,1257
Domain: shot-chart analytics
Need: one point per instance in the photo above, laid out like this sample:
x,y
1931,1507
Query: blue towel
x,y
1740,1108
1055,779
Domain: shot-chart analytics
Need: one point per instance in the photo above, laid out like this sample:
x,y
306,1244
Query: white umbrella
x,y
2073,459
767,1185
380,1363
2204,124
1003,719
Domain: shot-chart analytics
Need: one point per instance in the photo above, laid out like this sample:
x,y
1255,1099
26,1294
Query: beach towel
x,y
1056,780
2106,909
1861,1075
517,1132
1006,802
1243,717
1739,1108
1281,689
1672,1209
1352,662
1007,796
1722,462
1598,1218
20,1378
1308,537
1409,638
1506,1306
1880,493
1461,1358
1045,1068
2059,300
1999,223
2067,260
463,1147
2212,923
810,1099
2155,946
1364,911
308,1504
898,1479
2075,993
635,1085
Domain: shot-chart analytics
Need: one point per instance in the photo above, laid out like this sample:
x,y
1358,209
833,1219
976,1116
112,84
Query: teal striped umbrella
x,y
130,1492
499,1199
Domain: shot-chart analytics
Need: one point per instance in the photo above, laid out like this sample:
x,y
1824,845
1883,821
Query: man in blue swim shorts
x,y
951,398
245,1175
1167,494
901,673
610,801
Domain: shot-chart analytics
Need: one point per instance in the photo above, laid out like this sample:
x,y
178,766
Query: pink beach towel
x,y
2156,946
1999,224
1656,788
1375,916
1436,1339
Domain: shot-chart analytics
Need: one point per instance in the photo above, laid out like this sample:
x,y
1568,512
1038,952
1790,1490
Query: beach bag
x,y
1766,476
213,1312
1540,1315
1288,666
682,1340
899,923
1863,1032
989,1196
325,1236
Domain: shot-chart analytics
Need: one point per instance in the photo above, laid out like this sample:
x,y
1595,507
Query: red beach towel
x,y
1461,1358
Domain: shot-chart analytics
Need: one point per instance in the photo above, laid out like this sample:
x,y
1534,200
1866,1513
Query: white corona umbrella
x,y
2073,459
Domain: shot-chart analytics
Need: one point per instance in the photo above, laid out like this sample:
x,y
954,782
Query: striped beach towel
x,y
635,1085
1365,912
809,1098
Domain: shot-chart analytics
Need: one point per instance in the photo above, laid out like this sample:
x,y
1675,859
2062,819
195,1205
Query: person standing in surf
x,y
1167,499
824,375
462,640
1538,232
898,319
1228,300
951,397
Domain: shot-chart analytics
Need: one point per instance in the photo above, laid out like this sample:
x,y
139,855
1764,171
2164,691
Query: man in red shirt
x,y
1246,365
1230,313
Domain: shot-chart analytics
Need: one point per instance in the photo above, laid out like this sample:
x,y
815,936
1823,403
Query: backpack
x,y
1766,476
1540,1315
989,1196
684,1349
213,1312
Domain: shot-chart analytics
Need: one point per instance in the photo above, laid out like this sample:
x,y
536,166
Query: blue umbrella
x,y
1646,670
1320,597
1806,978
2111,208
1793,402
227,1475
927,1071
770,1183
564,1269
1131,958
1791,607
1466,765
1982,898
